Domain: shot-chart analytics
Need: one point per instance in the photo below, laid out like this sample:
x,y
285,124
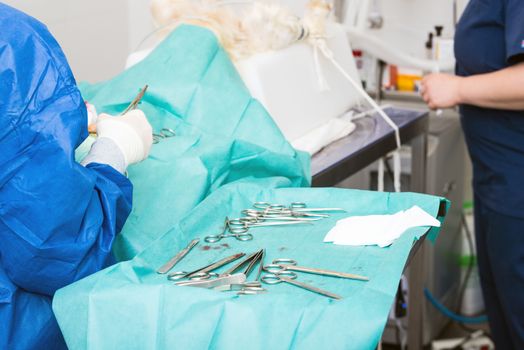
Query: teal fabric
x,y
227,154
222,133
130,306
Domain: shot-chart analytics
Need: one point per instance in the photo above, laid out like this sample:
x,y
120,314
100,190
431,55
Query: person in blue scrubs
x,y
58,218
489,87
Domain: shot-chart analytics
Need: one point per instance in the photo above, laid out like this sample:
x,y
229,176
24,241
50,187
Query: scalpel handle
x,y
325,272
174,260
311,288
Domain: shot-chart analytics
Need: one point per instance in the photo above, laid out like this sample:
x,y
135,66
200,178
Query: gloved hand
x,y
131,133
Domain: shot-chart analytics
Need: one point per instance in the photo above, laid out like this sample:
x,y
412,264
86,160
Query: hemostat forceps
x,y
280,265
204,272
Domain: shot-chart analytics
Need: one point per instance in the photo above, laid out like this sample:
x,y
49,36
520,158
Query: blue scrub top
x,y
58,219
490,37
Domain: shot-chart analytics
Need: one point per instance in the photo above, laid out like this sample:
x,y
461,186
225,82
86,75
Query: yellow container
x,y
407,82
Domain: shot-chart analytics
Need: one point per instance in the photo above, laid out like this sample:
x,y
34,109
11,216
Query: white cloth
x,y
332,130
381,230
131,132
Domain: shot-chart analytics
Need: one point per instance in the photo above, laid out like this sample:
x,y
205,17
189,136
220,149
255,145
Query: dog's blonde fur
x,y
265,26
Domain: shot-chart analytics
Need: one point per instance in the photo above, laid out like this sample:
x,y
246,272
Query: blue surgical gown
x,y
58,219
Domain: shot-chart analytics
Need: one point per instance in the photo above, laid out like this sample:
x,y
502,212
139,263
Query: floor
x,y
452,330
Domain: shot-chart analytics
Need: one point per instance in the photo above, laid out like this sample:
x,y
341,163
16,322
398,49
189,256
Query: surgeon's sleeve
x,y
61,222
514,27
58,219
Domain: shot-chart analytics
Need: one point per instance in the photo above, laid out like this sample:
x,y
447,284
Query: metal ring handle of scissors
x,y
241,236
167,132
276,269
274,278
252,212
241,223
248,220
284,261
236,226
298,205
267,205
238,230
175,276
236,223
158,137
199,276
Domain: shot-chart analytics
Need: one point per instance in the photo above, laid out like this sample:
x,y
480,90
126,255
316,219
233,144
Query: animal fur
x,y
265,26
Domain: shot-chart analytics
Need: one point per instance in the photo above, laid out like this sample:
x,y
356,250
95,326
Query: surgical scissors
x,y
247,222
251,260
136,100
281,265
238,278
295,206
248,287
164,134
289,277
239,228
204,273
239,287
282,215
240,232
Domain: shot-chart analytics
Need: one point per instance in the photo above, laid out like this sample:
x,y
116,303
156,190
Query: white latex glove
x,y
131,132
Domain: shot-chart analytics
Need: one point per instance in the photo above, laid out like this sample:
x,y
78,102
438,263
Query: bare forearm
x,y
503,89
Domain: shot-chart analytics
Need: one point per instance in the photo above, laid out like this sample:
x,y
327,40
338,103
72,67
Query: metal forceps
x,y
247,222
295,206
250,261
286,215
281,265
235,230
204,273
289,277
163,134
136,100
254,287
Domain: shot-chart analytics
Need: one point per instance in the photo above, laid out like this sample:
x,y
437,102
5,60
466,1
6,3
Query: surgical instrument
x,y
174,260
239,265
281,215
289,277
205,272
261,266
253,262
248,287
164,134
257,286
136,100
238,278
280,265
237,231
246,223
295,206
239,228
251,291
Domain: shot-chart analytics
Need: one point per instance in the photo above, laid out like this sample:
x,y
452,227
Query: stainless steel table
x,y
373,139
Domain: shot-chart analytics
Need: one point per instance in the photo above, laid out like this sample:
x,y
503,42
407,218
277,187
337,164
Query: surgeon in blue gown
x,y
58,218
489,87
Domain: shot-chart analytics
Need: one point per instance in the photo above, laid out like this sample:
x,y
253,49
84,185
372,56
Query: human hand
x,y
131,132
441,90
